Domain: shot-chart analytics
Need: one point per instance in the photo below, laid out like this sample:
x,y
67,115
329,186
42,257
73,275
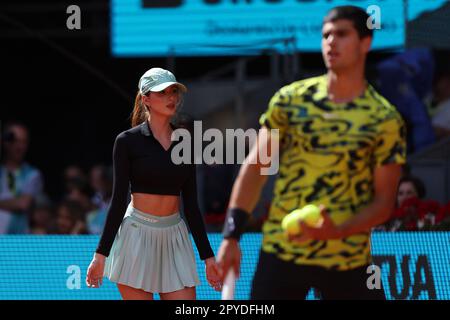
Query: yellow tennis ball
x,y
290,222
310,214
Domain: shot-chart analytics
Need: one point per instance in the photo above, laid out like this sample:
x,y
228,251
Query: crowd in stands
x,y
81,210
26,209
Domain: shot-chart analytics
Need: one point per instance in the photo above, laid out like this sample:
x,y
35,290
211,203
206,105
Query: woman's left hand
x,y
212,274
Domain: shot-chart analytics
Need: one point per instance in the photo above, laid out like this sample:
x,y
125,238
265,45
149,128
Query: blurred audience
x,y
410,190
101,183
78,190
74,172
413,212
441,103
42,219
406,80
101,179
410,187
70,218
20,182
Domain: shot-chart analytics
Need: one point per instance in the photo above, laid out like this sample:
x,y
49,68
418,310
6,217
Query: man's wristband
x,y
235,223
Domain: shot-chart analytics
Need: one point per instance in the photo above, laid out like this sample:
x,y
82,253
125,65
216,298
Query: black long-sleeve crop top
x,y
141,162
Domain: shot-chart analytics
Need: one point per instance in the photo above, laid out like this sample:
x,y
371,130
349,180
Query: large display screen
x,y
414,265
244,27
196,27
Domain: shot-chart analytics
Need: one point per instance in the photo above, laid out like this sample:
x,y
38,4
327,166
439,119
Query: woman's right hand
x,y
94,277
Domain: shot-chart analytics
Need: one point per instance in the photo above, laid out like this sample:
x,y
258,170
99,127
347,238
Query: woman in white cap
x,y
145,248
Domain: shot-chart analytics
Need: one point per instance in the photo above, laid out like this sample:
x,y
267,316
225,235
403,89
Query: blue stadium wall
x,y
414,265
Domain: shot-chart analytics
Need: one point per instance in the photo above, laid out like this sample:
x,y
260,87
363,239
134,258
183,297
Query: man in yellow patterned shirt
x,y
341,147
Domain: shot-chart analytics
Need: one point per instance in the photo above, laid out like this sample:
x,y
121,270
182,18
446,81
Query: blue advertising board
x,y
414,265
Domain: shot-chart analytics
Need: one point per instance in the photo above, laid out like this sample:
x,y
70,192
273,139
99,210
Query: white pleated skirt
x,y
152,253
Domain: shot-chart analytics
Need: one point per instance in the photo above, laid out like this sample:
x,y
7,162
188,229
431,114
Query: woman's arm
x,y
194,217
121,181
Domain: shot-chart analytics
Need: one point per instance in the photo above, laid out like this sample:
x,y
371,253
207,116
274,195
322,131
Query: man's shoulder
x,y
383,106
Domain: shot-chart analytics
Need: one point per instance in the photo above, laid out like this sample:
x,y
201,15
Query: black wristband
x,y
235,223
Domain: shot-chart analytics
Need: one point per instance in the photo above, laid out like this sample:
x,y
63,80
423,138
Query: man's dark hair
x,y
357,15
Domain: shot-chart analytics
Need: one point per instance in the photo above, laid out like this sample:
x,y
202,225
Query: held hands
x,y
94,277
212,274
326,231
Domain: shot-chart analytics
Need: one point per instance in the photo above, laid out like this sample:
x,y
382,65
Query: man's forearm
x,y
247,188
376,213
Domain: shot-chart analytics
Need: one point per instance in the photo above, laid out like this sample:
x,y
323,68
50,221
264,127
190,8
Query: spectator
x,y
41,220
406,215
70,218
410,187
78,190
20,182
406,80
73,171
101,182
441,117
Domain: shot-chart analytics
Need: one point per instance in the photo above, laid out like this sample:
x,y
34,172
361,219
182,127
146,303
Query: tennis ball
x,y
290,222
310,214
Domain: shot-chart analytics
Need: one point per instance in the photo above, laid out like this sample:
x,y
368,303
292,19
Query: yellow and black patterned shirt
x,y
328,154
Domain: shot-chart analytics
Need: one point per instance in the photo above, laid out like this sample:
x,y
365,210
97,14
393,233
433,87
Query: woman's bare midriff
x,y
155,204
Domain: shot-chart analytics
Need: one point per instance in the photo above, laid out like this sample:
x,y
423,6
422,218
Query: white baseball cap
x,y
158,79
